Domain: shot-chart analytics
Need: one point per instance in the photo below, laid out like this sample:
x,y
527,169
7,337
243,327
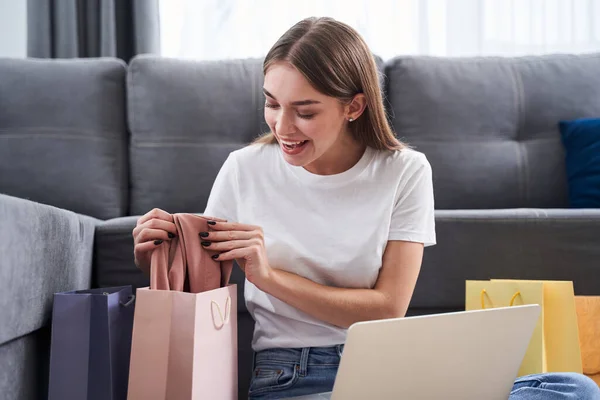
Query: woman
x,y
330,215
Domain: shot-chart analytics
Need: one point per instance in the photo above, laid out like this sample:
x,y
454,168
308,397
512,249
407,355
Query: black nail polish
x,y
205,243
215,256
157,242
203,234
171,235
211,223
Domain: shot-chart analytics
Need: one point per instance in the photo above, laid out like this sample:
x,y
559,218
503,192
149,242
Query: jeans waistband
x,y
301,357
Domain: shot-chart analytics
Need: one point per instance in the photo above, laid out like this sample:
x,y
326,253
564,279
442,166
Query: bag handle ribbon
x,y
512,299
224,318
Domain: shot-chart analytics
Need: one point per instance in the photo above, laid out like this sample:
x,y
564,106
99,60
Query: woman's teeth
x,y
292,145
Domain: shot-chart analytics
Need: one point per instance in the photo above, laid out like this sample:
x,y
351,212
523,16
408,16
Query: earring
x,y
350,119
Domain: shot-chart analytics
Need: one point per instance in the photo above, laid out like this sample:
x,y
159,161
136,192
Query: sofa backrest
x,y
185,117
63,136
489,126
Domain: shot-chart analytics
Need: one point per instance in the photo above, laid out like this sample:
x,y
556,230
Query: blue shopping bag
x,y
91,344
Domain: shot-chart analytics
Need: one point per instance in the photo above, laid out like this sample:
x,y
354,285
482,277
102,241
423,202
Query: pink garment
x,y
183,264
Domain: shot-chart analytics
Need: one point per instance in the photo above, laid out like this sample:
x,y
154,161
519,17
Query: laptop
x,y
460,355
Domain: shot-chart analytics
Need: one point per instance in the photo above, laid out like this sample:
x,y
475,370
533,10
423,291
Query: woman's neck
x,y
338,159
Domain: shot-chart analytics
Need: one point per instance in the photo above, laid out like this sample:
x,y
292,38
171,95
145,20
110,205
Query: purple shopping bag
x,y
91,344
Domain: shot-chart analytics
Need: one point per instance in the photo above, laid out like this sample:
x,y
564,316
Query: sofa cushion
x,y
489,126
63,137
581,139
549,244
114,263
185,117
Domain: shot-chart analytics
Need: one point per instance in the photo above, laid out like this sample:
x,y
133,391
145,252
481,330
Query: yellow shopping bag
x,y
554,345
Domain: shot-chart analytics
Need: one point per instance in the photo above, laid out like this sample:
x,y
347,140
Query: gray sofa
x,y
88,145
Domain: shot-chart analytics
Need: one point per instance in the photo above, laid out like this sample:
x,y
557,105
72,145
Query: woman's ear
x,y
356,107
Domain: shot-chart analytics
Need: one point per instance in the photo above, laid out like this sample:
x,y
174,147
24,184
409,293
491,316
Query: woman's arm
x,y
342,307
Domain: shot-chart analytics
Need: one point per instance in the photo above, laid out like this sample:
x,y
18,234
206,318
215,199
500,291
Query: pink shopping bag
x,y
184,343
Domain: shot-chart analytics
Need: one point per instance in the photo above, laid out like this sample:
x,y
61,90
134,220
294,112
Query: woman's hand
x,y
243,243
152,229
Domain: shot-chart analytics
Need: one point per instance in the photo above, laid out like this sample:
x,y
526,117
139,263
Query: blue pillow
x,y
581,139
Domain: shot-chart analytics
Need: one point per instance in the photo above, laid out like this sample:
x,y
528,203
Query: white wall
x,y
13,28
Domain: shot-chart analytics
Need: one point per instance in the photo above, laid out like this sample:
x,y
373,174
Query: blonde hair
x,y
337,62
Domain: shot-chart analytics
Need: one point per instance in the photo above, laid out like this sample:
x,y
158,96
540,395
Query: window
x,y
225,29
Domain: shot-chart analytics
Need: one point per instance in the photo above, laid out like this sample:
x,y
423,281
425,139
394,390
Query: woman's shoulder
x,y
402,166
406,159
253,155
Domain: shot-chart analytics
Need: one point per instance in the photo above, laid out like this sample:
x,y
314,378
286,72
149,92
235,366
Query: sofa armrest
x,y
549,244
43,250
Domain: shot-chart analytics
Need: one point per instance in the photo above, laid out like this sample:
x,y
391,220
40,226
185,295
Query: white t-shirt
x,y
330,229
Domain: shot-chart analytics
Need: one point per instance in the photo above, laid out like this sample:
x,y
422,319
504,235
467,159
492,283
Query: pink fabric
x,y
184,257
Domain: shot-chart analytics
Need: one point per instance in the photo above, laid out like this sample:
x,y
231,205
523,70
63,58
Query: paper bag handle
x,y
224,319
512,299
128,303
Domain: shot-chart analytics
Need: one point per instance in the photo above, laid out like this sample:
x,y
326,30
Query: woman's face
x,y
306,123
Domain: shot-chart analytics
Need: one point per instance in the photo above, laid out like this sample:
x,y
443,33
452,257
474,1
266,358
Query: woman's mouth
x,y
293,148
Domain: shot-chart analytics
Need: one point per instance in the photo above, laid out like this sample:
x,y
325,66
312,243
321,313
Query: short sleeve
x,y
413,216
222,202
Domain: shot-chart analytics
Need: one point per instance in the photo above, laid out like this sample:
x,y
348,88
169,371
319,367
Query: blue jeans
x,y
282,373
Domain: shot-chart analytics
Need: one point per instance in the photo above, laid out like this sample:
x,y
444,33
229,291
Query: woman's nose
x,y
285,124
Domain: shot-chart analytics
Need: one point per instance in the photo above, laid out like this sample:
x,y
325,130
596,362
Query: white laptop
x,y
460,355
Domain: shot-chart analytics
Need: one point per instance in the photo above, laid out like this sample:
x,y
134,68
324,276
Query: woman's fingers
x,y
216,236
229,245
234,254
156,224
231,226
224,236
155,213
145,247
152,235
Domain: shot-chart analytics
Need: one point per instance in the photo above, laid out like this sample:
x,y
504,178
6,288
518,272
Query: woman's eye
x,y
300,115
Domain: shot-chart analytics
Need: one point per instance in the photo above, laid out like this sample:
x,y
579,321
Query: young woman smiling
x,y
329,216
